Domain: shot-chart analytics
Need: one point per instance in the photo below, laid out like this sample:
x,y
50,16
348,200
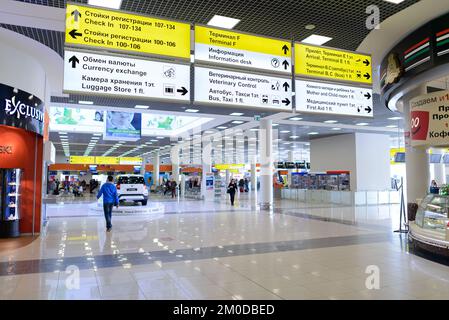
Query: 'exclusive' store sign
x,y
21,109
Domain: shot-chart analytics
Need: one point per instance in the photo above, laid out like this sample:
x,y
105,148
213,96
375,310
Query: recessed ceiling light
x,y
275,124
113,4
295,119
285,131
336,129
254,129
85,102
395,1
391,126
141,107
310,27
159,138
237,114
362,124
395,118
294,137
331,121
238,122
192,110
313,133
222,128
223,22
154,140
316,39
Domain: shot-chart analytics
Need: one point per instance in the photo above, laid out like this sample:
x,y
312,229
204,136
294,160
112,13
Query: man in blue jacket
x,y
110,199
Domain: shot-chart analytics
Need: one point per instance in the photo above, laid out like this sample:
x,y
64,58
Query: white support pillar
x,y
266,164
174,155
206,167
156,163
417,159
144,162
228,177
254,175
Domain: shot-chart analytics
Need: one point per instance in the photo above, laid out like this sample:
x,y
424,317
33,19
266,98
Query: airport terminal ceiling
x,y
344,21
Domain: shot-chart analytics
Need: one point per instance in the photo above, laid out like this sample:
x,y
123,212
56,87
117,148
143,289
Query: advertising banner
x,y
430,120
123,126
76,120
21,109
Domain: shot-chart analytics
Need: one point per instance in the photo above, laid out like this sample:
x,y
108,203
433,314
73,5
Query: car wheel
x,y
144,202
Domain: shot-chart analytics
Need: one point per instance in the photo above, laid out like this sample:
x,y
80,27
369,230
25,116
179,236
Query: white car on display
x,y
131,187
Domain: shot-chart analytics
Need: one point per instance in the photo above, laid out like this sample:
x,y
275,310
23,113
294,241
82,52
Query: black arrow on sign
x,y
286,86
367,76
286,64
74,60
285,49
75,34
76,14
286,101
368,109
366,63
183,91
368,95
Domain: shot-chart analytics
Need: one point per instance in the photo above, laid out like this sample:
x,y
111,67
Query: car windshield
x,y
130,180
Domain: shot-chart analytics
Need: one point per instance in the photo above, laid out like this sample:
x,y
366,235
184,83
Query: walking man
x,y
110,198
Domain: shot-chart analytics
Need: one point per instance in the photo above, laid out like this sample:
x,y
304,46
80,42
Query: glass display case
x,y
10,180
431,226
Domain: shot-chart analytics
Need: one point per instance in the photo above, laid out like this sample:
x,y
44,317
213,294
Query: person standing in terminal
x,y
110,198
232,189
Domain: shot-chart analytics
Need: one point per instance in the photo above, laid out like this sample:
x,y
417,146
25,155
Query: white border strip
x,y
417,64
417,50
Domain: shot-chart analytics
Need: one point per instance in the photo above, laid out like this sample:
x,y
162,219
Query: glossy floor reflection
x,y
210,250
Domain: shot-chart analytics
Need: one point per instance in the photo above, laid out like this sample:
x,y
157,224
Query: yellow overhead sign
x,y
229,166
118,31
82,160
107,160
319,62
242,41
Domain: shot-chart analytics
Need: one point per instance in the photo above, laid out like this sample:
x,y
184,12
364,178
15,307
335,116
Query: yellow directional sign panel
x,y
107,160
241,49
82,160
339,65
114,30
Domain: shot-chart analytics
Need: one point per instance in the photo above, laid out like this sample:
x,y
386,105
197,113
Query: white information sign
x,y
242,58
242,89
318,97
112,75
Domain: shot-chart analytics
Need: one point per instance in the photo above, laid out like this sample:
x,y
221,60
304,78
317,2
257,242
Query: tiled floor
x,y
209,250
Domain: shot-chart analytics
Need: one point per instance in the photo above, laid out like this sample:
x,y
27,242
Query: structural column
x,y
266,164
417,159
175,163
156,163
228,177
254,175
206,167
144,163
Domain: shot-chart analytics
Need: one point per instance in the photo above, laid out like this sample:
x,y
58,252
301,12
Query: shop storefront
x,y
21,158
